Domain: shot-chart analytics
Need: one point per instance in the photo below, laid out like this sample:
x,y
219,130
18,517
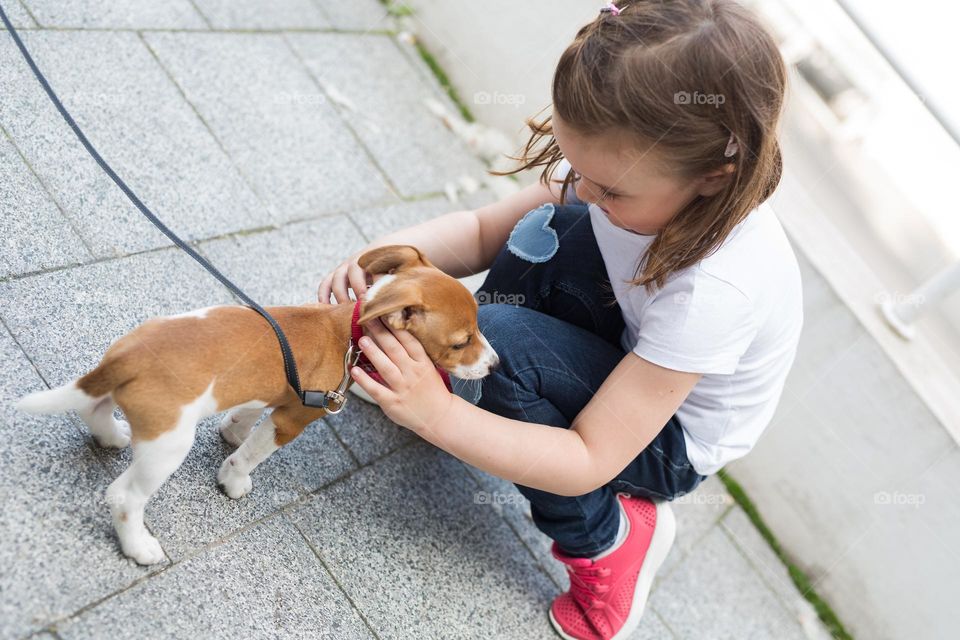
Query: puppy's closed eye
x,y
462,345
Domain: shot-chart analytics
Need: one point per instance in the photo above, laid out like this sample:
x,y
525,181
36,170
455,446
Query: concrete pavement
x,y
278,141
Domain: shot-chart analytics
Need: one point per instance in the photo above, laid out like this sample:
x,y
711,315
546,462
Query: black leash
x,y
317,399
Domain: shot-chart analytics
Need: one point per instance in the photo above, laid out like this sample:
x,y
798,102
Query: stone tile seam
x,y
333,577
29,13
761,569
661,618
223,236
75,422
243,176
300,500
26,355
386,17
410,53
394,190
202,15
683,555
51,625
49,194
536,559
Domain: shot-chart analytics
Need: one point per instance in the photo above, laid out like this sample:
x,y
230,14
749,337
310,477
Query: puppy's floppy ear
x,y
392,258
399,304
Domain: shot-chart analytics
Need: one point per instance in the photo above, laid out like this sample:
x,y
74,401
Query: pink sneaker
x,y
607,596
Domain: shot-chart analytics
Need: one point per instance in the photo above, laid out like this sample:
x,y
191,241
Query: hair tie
x,y
733,146
611,9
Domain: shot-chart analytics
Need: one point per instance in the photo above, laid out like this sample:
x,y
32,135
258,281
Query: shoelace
x,y
587,583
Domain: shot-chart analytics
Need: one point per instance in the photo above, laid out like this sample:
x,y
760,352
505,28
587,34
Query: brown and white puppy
x,y
170,372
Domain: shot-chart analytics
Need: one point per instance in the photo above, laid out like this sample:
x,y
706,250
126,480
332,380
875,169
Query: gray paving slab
x,y
263,583
773,572
408,46
476,200
140,123
109,14
420,558
18,15
826,324
254,14
418,153
66,319
715,593
357,15
54,528
934,527
864,386
652,627
229,136
273,119
190,511
916,544
375,222
367,432
507,501
696,513
35,235
286,266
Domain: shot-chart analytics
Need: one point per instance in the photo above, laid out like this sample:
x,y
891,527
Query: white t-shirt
x,y
734,317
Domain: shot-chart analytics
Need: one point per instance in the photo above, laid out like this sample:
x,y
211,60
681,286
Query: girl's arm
x,y
461,243
627,412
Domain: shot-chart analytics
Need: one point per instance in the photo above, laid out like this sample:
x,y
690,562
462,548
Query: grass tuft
x,y
800,579
399,9
444,81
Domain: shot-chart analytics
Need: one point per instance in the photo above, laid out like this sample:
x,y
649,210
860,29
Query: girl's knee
x,y
504,326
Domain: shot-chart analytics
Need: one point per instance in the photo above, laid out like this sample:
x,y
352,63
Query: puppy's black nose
x,y
494,366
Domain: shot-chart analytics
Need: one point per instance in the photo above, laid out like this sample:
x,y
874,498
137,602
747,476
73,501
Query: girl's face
x,y
630,183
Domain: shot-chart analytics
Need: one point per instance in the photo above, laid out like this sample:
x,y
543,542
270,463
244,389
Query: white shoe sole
x,y
660,545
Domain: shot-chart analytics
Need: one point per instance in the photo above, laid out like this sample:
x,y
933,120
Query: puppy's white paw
x,y
119,439
143,549
235,484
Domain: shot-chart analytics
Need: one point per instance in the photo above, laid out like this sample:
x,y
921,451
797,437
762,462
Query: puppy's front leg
x,y
237,424
276,430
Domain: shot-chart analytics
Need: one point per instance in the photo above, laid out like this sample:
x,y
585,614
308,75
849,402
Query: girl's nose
x,y
584,192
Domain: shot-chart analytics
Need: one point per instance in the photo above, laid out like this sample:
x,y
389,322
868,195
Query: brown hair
x,y
683,75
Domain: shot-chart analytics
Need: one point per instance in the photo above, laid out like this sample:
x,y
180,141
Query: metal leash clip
x,y
337,397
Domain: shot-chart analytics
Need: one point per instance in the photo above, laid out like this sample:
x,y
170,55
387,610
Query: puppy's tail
x,y
65,398
81,393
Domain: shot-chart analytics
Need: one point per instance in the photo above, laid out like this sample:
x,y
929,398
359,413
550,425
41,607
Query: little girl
x,y
654,305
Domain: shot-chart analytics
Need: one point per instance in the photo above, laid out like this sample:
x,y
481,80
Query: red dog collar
x,y
356,332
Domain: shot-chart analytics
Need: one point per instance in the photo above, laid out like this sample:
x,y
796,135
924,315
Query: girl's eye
x,y
609,196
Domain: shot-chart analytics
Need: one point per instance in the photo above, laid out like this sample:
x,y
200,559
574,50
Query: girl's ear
x,y
398,304
714,182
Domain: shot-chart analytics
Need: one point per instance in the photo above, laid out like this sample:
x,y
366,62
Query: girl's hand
x,y
417,398
348,275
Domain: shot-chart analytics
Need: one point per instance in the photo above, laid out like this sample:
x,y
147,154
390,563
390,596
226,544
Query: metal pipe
x,y
901,312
